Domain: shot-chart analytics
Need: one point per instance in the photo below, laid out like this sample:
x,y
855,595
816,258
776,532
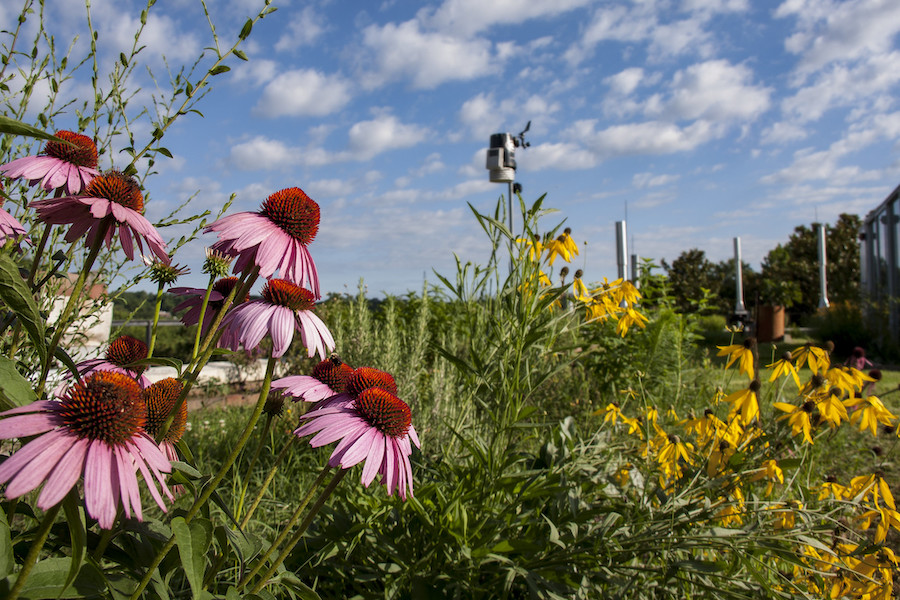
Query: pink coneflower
x,y
328,379
10,227
160,399
284,308
95,431
113,198
72,165
121,355
221,289
375,427
275,238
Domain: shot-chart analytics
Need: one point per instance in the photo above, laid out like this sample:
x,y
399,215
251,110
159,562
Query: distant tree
x,y
726,276
798,261
688,274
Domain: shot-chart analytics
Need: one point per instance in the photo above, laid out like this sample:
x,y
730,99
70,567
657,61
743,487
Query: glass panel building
x,y
879,256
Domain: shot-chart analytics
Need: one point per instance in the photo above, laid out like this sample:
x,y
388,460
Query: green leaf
x,y
245,30
219,69
240,54
193,541
63,356
164,151
7,563
15,294
293,583
14,127
48,580
15,390
77,533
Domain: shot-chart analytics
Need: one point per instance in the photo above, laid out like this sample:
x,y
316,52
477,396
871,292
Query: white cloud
x,y
162,36
330,188
717,90
427,59
809,164
650,22
844,85
680,37
261,153
646,180
625,82
257,71
370,138
715,6
467,17
303,92
303,29
783,132
840,31
484,115
561,156
649,137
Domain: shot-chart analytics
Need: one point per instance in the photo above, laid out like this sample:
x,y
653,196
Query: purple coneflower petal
x,y
27,453
350,451
124,469
27,425
374,458
99,484
64,476
33,474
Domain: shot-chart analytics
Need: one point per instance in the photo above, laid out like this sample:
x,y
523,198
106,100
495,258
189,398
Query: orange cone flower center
x,y
333,372
125,350
105,406
160,399
80,151
284,293
384,411
117,187
364,378
294,212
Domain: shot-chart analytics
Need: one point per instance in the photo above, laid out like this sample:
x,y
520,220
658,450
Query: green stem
x,y
156,307
263,434
268,480
38,253
34,552
211,486
105,538
300,530
63,321
203,305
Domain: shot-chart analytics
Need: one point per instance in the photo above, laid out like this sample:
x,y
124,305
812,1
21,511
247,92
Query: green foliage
x,y
797,261
842,324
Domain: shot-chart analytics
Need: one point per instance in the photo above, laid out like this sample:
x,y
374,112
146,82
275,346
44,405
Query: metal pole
x,y
823,259
739,278
635,271
621,249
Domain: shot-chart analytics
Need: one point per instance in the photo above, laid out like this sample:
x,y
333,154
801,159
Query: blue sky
x,y
700,119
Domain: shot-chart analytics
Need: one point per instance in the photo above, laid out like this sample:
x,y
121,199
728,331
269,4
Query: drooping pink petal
x,y
33,475
356,451
374,458
99,484
23,426
64,476
37,447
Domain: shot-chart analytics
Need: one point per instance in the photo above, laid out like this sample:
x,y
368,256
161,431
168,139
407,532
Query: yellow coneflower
x,y
770,472
798,418
869,412
742,352
816,358
744,403
783,367
832,409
